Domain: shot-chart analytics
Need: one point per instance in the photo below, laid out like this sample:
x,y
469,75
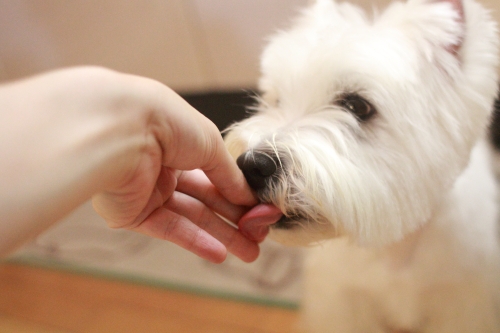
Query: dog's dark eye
x,y
357,105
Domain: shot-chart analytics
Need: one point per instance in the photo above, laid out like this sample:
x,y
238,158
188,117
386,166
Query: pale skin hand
x,y
126,142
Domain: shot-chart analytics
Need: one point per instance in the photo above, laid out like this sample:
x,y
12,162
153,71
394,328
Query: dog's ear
x,y
458,6
442,23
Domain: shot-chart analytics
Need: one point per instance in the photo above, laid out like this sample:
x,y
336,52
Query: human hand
x,y
127,142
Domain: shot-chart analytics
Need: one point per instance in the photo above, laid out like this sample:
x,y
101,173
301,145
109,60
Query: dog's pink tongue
x,y
255,223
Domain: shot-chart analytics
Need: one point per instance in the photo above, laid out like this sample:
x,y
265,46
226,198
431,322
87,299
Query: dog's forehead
x,y
342,54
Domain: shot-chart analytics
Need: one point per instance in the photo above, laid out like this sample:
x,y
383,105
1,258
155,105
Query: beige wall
x,y
187,44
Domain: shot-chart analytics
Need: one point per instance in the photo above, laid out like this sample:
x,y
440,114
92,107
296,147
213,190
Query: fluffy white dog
x,y
369,140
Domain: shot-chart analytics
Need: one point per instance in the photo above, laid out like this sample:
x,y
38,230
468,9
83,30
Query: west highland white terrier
x,y
369,140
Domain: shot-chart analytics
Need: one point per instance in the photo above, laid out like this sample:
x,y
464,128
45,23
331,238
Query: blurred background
x,y
191,45
81,276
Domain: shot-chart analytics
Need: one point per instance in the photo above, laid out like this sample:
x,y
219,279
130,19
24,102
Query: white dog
x,y
371,133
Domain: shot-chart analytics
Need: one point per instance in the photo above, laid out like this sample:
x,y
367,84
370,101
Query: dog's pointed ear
x,y
458,6
442,22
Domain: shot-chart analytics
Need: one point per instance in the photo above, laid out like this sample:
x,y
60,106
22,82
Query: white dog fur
x,y
402,206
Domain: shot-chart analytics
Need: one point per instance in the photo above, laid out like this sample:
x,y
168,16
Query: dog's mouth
x,y
256,222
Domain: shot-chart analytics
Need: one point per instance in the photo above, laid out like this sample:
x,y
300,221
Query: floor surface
x,y
36,300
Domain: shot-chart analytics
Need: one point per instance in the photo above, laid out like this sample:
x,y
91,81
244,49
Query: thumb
x,y
191,141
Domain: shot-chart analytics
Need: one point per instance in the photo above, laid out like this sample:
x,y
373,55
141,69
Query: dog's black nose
x,y
257,168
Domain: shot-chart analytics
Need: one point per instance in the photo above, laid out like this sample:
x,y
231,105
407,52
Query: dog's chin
x,y
292,232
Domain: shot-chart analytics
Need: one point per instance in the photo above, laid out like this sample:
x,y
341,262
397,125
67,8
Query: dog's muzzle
x,y
258,168
264,172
